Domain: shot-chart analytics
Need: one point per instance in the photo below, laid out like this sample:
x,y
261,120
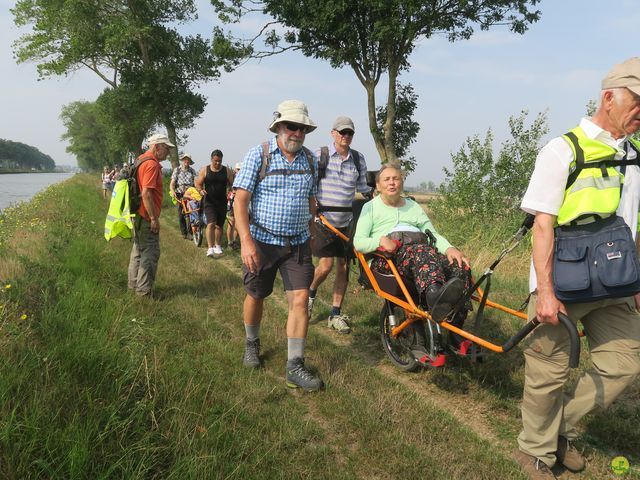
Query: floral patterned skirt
x,y
424,266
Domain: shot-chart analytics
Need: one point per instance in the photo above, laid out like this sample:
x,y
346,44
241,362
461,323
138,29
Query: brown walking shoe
x,y
535,468
569,456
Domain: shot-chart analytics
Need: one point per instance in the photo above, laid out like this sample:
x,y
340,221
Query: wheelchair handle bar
x,y
574,339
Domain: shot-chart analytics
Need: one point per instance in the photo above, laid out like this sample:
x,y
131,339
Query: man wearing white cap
x,y
342,171
145,253
278,181
583,182
182,177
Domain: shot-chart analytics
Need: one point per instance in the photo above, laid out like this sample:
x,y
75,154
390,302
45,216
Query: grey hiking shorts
x,y
293,262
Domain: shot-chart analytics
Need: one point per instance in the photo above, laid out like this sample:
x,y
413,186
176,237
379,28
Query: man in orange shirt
x,y
145,253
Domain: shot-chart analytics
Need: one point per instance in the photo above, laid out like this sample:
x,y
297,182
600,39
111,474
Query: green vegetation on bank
x,y
16,156
97,384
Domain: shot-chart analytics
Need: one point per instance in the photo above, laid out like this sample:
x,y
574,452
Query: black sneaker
x,y
251,358
442,298
297,375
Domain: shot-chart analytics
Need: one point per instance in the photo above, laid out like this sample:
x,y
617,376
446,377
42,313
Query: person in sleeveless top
x,y
213,182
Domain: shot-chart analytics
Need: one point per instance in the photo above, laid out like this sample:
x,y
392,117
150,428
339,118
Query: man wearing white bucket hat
x,y
278,182
143,263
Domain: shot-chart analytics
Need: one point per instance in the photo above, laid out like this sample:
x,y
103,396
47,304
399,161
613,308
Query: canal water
x,y
20,187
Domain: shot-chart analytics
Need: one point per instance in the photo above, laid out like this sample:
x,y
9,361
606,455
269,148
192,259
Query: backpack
x,y
266,161
129,173
324,161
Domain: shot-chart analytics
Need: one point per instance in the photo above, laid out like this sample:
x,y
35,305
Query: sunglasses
x,y
294,127
346,133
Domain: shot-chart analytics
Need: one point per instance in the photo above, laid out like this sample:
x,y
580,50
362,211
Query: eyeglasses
x,y
294,127
346,133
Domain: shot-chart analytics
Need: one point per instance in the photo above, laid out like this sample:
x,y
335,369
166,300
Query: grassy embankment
x,y
97,384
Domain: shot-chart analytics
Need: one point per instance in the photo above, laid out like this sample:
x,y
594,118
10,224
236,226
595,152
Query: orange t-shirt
x,y
150,176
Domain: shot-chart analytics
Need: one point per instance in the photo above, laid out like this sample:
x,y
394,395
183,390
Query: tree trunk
x,y
390,149
373,126
173,138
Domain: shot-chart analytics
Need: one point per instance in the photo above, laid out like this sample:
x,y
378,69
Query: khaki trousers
x,y
612,329
143,262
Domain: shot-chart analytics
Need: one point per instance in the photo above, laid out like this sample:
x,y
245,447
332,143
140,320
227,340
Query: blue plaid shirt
x,y
279,203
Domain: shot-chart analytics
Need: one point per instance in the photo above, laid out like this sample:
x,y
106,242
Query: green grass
x,y
95,383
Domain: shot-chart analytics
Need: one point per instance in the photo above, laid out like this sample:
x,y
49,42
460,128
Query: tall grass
x,y
95,383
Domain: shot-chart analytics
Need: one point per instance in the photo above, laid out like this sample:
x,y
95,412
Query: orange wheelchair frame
x,y
399,335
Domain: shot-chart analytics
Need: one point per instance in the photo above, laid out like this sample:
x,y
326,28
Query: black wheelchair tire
x,y
399,349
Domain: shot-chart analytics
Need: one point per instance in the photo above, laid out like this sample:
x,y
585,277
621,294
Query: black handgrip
x,y
528,221
520,334
574,339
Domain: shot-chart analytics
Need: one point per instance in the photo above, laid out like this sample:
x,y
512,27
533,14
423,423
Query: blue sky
x,y
464,88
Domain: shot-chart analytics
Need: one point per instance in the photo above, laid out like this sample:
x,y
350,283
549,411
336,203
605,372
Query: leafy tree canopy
x,y
481,186
23,156
375,37
131,44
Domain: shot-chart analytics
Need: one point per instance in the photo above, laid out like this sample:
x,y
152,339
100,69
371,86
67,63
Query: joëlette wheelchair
x,y
193,219
411,339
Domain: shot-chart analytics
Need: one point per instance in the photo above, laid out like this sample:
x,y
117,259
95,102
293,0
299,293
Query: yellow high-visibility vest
x,y
119,221
594,184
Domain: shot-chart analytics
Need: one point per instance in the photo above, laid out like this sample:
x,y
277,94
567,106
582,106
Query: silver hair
x,y
386,166
618,94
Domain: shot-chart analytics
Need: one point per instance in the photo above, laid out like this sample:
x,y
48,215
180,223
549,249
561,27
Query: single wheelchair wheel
x,y
398,349
197,236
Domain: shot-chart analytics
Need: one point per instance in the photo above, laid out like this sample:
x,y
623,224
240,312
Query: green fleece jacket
x,y
378,219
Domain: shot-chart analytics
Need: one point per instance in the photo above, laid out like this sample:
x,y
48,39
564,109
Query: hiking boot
x,y
569,456
442,298
310,305
339,323
535,468
251,358
297,375
210,252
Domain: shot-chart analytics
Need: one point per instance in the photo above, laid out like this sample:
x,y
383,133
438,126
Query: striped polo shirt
x,y
340,184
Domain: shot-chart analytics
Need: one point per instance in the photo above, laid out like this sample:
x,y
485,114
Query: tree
x,y
87,137
481,187
17,155
103,132
128,43
405,128
375,37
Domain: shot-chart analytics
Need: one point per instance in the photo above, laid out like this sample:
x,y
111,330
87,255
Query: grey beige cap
x,y
159,138
625,74
293,111
342,123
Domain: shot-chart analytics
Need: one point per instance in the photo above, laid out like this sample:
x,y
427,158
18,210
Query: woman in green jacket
x,y
440,278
